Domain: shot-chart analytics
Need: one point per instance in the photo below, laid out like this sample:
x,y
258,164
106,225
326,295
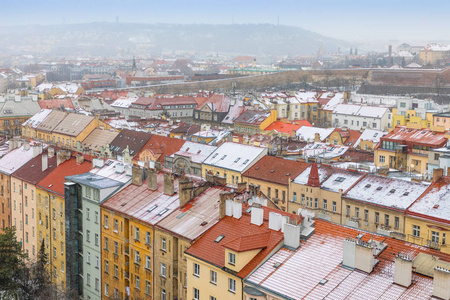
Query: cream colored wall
x,y
203,284
242,258
426,226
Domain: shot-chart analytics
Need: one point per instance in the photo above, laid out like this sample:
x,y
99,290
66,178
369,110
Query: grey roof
x,y
24,107
73,124
95,181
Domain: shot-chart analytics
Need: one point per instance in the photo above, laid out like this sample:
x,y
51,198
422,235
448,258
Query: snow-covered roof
x,y
360,110
435,201
337,99
308,133
35,120
370,135
109,170
324,150
235,157
197,152
386,191
437,47
124,102
324,172
15,159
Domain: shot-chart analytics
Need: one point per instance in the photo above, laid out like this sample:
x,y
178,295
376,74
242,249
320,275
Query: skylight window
x,y
163,211
246,161
181,215
340,179
368,185
219,238
392,191
223,157
405,193
215,155
379,188
237,159
152,208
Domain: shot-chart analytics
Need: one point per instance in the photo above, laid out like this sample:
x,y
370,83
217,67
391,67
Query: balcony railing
x,y
433,244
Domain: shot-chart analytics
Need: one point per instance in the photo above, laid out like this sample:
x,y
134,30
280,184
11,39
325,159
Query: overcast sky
x,y
404,20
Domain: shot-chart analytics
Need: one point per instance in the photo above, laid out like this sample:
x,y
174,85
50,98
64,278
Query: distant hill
x,y
138,39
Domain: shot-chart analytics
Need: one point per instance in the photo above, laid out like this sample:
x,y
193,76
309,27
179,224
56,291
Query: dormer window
x,y
231,259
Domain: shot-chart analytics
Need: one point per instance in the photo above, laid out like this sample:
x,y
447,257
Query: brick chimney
x,y
169,188
136,176
222,203
241,186
186,190
313,179
437,173
152,181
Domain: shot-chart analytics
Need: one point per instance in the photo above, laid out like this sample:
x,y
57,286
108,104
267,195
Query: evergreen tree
x,y
11,260
40,269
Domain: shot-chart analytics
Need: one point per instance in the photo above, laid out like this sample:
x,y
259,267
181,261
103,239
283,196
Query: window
x,y
268,192
106,244
163,244
97,283
116,293
196,270
196,294
377,218
88,236
316,203
88,258
294,196
147,262
116,225
357,212
136,233
87,213
443,238
325,204
231,259
213,278
116,247
137,282
96,217
148,288
105,221
147,238
348,210
374,125
334,206
214,298
435,237
88,279
163,270
386,220
397,222
381,159
106,266
116,271
96,239
136,257
232,285
106,289
163,294
366,215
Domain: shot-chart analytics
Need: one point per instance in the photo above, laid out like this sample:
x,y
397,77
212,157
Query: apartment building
x,y
358,117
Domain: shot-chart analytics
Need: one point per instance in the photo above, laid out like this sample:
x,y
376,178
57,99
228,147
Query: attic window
x,y
379,188
246,161
181,215
152,208
163,211
340,179
368,185
237,159
323,281
215,155
219,238
436,206
405,193
223,157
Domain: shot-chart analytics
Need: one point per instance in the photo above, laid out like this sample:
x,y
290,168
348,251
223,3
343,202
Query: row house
x,y
408,149
176,107
231,160
244,238
156,149
340,262
213,111
126,145
427,220
358,117
273,176
83,195
15,110
189,159
254,121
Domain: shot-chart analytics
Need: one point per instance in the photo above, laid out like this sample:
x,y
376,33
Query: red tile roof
x,y
217,103
54,181
349,136
162,145
56,103
313,179
282,127
252,117
249,242
276,170
206,249
408,136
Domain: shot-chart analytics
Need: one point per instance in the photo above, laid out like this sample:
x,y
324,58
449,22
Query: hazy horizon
x,y
343,19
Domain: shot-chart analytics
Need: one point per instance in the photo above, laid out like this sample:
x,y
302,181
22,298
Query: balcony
x,y
433,245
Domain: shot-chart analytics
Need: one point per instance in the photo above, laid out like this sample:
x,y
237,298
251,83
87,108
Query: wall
x,y
5,216
426,226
